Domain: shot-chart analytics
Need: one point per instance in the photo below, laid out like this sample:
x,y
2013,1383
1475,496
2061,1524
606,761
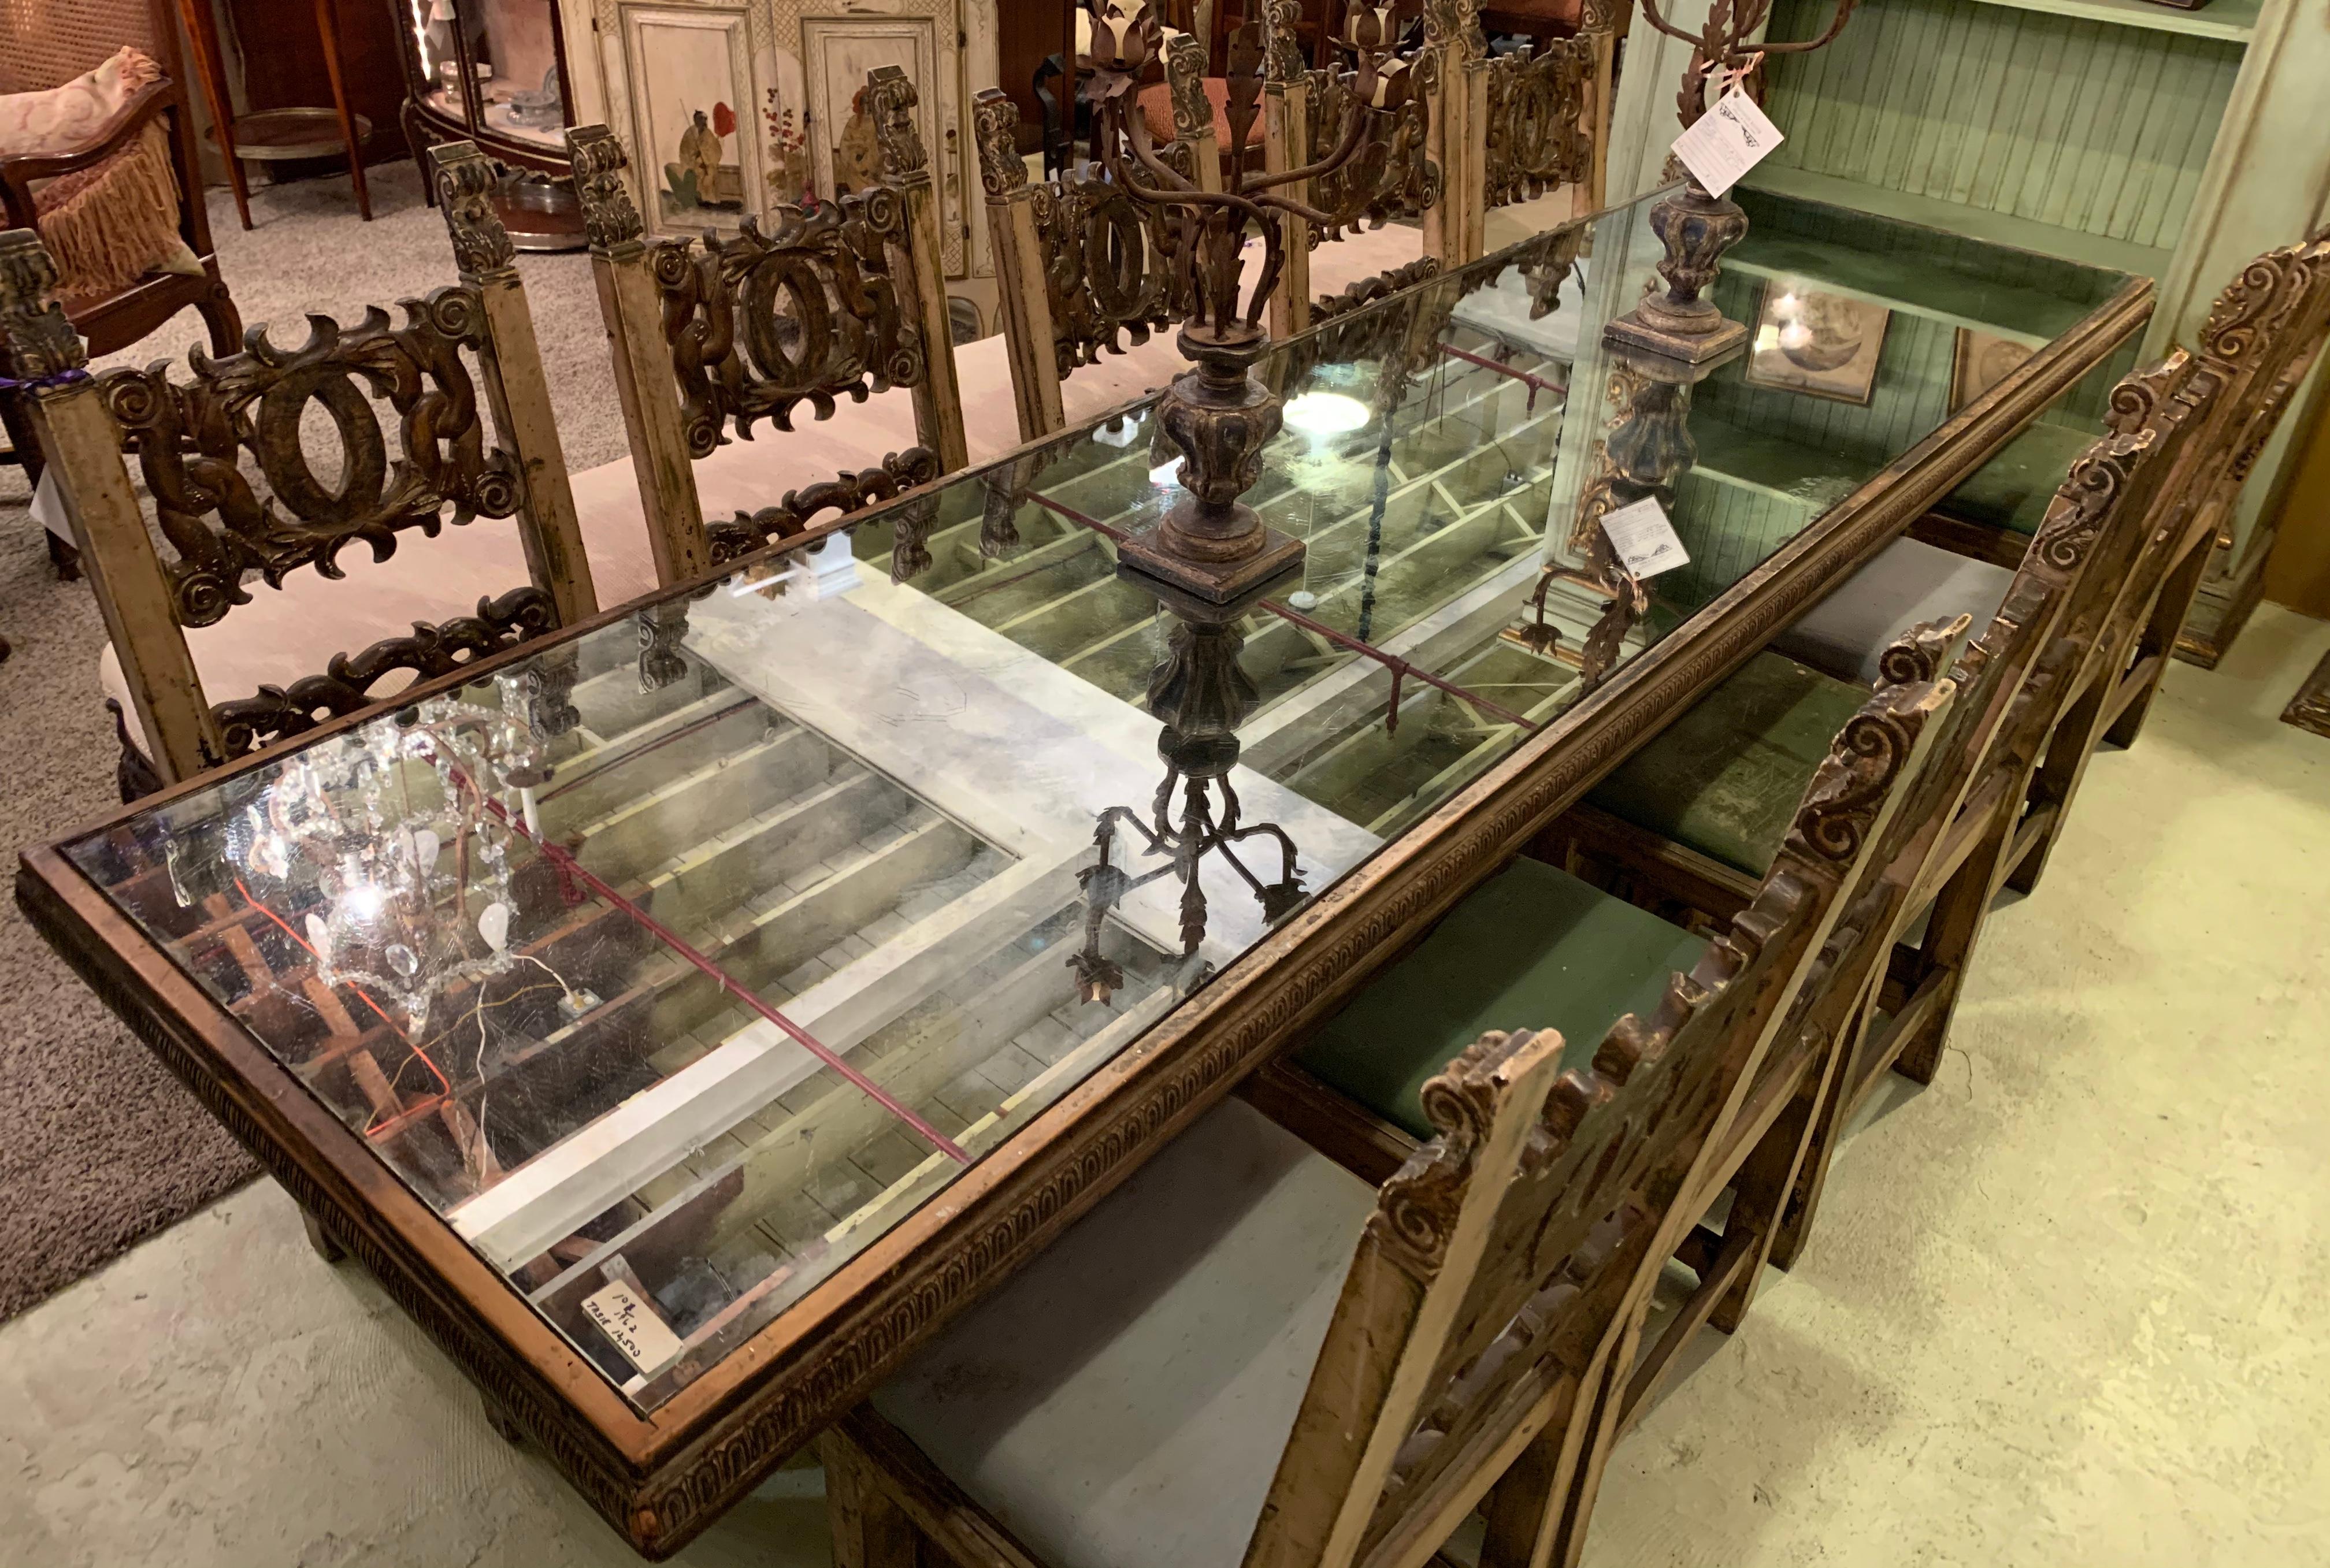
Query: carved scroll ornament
x,y
348,682
190,438
802,311
789,518
1107,266
1392,177
1538,137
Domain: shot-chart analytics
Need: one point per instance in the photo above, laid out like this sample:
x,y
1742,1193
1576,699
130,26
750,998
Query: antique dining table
x,y
686,1014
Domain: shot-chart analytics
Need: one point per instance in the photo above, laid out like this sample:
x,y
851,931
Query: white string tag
x,y
1646,542
1728,140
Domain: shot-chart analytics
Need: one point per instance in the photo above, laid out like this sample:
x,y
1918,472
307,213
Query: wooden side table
x,y
278,134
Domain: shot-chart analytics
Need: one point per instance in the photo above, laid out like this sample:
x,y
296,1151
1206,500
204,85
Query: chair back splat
x,y
808,308
196,440
1497,1286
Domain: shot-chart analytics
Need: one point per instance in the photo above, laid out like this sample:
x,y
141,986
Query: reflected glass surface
x,y
676,962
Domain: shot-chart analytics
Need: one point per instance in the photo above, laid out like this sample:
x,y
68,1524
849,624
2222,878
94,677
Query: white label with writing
x,y
636,1328
48,508
1643,538
1728,140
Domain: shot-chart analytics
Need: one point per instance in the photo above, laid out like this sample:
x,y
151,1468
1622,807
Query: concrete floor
x,y
2067,1306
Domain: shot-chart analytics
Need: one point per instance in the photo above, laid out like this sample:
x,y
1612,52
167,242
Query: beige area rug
x,y
99,1146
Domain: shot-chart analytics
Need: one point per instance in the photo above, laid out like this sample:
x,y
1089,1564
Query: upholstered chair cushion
x,y
1726,777
1910,584
1123,1400
1532,949
1156,103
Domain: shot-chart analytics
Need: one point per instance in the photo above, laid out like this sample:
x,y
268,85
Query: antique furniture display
x,y
278,134
686,1014
726,108
2127,135
1417,1410
496,73
195,688
842,302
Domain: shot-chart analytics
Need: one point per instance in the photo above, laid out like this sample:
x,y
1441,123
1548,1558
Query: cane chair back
x,y
225,454
805,309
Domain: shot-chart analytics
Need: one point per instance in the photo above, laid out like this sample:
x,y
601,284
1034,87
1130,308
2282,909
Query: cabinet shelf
x,y
2229,21
1957,218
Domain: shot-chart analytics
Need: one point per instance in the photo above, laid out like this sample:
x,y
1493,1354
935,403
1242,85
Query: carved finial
x,y
2087,497
890,100
1922,651
609,218
35,335
1185,81
465,194
1282,54
1416,1211
1001,169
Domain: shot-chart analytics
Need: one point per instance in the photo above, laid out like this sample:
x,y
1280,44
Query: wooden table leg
x,y
196,15
330,1251
327,29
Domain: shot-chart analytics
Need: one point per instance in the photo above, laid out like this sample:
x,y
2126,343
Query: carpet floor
x,y
99,1146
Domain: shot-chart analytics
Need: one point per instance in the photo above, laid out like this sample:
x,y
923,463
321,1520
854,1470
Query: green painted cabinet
x,y
2115,132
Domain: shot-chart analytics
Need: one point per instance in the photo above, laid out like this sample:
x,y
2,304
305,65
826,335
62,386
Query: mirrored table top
x,y
675,961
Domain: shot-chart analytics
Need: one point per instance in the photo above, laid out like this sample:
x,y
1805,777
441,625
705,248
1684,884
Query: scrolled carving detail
x,y
847,493
891,101
803,311
1107,266
2086,497
1538,139
464,182
189,437
347,685
1367,290
610,220
1921,653
1001,169
36,341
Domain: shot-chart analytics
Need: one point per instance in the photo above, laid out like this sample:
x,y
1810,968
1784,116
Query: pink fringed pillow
x,y
109,225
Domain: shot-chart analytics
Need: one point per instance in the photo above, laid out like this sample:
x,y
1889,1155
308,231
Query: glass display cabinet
x,y
493,72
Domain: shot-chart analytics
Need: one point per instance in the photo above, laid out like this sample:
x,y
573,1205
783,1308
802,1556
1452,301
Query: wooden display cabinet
x,y
495,72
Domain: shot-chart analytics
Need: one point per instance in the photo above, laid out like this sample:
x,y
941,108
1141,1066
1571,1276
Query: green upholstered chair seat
x,y
1532,949
1726,778
2014,489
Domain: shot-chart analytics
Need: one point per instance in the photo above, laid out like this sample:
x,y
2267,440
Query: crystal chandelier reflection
x,y
404,827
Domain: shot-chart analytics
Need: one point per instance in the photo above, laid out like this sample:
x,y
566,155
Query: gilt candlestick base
x,y
1683,324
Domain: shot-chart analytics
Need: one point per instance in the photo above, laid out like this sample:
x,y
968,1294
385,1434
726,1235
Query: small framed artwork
x,y
1983,360
1824,345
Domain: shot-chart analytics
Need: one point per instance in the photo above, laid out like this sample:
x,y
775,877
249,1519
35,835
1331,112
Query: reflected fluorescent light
x,y
1323,414
1166,473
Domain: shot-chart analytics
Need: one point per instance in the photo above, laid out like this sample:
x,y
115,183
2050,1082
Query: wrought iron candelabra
x,y
1696,226
1221,416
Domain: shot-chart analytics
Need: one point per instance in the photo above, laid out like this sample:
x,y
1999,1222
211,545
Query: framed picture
x,y
1824,345
694,112
1983,360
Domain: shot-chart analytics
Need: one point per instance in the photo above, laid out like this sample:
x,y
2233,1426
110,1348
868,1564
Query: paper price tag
x,y
1644,540
48,508
1728,140
632,1326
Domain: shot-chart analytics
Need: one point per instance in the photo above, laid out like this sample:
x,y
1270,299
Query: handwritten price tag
x,y
1644,540
1728,140
633,1326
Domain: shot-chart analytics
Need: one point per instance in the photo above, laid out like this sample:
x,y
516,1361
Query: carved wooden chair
x,y
1686,825
811,308
1082,270
1540,943
1209,1327
1396,177
2262,338
237,495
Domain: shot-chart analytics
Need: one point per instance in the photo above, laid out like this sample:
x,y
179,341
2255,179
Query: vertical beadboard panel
x,y
2084,125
